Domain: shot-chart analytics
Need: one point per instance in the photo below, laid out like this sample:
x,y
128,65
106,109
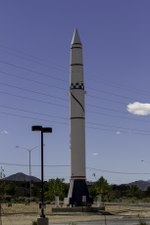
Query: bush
x,y
141,222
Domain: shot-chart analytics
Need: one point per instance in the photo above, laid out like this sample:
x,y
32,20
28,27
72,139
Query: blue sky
x,y
35,42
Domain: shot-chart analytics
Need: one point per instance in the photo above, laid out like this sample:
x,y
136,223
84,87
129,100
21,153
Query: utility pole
x,y
29,151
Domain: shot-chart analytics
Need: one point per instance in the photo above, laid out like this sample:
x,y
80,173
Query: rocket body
x,y
77,110
78,188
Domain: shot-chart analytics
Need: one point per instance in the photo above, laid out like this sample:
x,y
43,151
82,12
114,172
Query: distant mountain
x,y
21,177
143,185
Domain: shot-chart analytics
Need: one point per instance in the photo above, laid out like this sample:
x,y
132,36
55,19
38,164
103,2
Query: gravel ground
x,y
21,214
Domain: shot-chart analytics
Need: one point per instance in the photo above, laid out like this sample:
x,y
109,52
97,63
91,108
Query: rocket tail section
x,y
78,193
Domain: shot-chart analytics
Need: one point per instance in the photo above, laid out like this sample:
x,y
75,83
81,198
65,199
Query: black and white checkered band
x,y
77,86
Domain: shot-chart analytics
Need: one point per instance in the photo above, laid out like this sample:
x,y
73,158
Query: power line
x,y
120,86
103,99
38,60
118,172
60,98
32,80
118,127
32,112
100,127
47,95
63,99
45,84
32,71
66,165
90,96
32,99
33,118
33,165
107,83
96,124
52,77
110,93
116,116
46,102
58,117
34,60
114,130
31,91
65,118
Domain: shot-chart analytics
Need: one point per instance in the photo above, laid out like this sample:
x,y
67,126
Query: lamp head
x,y
42,129
47,130
37,128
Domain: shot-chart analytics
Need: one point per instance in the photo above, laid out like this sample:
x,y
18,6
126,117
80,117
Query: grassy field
x,y
21,214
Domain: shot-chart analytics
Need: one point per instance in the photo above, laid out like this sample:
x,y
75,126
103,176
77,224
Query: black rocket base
x,y
78,193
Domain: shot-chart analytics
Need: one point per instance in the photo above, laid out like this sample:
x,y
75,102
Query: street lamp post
x,y
29,151
42,130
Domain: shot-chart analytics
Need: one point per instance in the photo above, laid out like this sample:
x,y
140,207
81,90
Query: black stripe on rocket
x,y
77,101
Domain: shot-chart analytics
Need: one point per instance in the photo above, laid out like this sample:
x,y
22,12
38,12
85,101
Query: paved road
x,y
109,222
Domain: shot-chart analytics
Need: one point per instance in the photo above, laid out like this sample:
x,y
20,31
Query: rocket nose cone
x,y
75,38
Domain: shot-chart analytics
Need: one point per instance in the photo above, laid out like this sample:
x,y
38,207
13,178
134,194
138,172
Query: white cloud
x,y
138,108
4,132
95,154
118,132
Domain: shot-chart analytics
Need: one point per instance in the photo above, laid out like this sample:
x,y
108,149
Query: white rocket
x,y
78,187
77,110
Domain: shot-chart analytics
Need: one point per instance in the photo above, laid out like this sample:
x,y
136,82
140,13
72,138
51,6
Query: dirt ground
x,y
21,214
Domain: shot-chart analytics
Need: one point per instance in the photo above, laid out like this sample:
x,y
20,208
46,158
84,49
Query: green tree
x,y
134,191
56,187
119,191
36,190
102,187
10,188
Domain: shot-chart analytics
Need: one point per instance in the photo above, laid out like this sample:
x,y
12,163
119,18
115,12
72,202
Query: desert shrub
x,y
141,222
72,223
